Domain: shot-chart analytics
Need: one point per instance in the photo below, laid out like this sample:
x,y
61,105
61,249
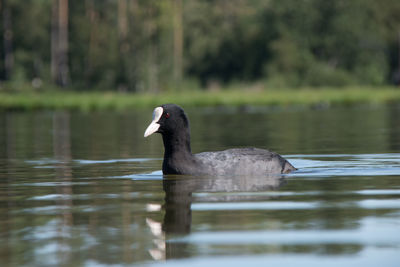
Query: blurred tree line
x,y
155,45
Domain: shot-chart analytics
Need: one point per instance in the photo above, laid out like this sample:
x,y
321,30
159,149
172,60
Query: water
x,y
86,190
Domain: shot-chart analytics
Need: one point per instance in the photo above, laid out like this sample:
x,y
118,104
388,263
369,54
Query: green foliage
x,y
234,96
332,43
129,45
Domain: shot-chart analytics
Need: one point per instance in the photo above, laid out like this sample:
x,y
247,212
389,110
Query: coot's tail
x,y
287,168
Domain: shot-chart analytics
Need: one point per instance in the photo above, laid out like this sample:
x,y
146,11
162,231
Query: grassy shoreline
x,y
87,101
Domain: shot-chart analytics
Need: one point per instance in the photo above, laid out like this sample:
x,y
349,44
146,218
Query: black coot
x,y
171,121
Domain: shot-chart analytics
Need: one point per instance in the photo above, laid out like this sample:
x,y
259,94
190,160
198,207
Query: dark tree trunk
x,y
7,40
178,40
59,43
54,40
123,43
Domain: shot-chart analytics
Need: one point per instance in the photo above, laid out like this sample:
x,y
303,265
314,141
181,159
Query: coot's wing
x,y
245,161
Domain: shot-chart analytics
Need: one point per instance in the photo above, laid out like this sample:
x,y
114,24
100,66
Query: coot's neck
x,y
177,144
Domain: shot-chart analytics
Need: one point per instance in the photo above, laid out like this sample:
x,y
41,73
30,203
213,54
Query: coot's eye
x,y
166,115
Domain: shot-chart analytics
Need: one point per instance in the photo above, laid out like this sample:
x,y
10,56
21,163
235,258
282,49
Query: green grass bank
x,y
87,101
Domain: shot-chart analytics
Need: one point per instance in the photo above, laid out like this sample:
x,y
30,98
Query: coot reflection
x,y
179,198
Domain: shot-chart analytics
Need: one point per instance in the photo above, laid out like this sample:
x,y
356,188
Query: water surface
x,y
86,190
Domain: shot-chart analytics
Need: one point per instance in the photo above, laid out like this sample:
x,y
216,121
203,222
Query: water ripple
x,y
346,165
367,234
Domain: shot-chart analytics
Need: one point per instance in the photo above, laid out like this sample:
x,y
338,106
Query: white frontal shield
x,y
153,127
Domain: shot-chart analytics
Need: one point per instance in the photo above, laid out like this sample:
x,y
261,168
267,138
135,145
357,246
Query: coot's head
x,y
168,119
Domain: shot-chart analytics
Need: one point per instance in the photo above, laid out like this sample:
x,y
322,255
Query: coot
x,y
171,121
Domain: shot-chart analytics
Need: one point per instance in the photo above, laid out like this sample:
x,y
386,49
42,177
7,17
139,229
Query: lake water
x,y
85,189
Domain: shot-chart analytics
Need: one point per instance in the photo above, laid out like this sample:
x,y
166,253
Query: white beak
x,y
154,125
